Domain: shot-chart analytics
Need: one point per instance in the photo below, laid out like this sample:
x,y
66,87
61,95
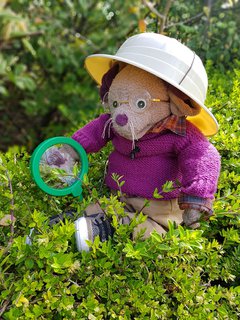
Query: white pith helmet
x,y
169,60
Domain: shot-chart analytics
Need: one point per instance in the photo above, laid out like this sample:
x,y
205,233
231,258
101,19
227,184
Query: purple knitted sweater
x,y
162,157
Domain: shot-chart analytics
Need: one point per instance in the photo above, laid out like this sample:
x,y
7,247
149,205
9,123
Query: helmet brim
x,y
98,64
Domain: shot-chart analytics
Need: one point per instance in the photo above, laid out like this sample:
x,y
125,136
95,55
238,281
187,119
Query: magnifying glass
x,y
58,166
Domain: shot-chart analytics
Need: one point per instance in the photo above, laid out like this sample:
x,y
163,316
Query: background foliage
x,y
45,91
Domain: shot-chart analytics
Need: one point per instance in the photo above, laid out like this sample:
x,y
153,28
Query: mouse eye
x,y
141,103
115,104
140,100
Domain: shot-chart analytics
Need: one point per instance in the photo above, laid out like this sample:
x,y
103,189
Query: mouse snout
x,y
121,119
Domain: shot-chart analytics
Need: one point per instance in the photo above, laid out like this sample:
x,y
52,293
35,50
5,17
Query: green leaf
x,y
29,263
3,90
29,47
25,82
156,194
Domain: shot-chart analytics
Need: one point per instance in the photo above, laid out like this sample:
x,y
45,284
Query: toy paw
x,y
53,157
191,218
58,158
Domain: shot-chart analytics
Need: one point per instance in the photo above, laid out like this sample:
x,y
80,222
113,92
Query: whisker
x,y
107,124
133,134
109,127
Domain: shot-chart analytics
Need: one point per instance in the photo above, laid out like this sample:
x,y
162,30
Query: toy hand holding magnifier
x,y
55,168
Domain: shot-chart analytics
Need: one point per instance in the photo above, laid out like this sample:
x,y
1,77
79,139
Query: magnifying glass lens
x,y
59,166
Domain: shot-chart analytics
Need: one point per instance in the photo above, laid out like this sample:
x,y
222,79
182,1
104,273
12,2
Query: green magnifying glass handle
x,y
76,188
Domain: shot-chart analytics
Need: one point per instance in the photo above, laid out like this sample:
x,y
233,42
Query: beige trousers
x,y
158,213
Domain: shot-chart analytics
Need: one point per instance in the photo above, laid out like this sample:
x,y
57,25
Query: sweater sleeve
x,y
199,163
95,135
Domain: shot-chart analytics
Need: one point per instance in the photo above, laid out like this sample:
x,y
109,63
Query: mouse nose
x,y
121,119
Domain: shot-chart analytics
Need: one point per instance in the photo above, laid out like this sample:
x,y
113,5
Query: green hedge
x,y
185,274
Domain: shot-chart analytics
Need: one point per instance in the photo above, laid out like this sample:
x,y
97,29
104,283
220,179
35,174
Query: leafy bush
x,y
186,274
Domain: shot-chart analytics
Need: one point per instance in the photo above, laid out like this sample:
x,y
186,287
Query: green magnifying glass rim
x,y
76,188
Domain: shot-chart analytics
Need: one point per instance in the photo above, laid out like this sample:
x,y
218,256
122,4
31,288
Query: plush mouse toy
x,y
154,90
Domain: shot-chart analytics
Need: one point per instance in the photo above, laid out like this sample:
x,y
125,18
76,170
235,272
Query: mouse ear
x,y
181,104
107,80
